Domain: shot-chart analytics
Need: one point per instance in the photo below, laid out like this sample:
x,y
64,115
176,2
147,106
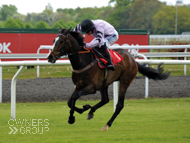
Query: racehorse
x,y
89,78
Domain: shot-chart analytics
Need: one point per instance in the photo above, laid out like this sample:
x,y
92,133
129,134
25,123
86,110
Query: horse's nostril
x,y
50,58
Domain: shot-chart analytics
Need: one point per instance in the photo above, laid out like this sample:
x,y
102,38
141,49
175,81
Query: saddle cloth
x,y
116,58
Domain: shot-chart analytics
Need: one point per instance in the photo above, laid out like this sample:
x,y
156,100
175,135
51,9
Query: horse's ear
x,y
67,31
60,30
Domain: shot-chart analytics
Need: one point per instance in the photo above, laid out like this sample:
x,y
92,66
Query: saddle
x,y
102,61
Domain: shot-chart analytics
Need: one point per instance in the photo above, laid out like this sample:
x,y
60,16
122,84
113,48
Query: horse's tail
x,y
155,74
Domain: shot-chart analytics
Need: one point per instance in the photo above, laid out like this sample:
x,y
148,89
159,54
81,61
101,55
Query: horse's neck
x,y
79,61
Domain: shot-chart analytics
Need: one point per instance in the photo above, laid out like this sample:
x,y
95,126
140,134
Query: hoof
x,y
86,107
105,128
71,120
90,116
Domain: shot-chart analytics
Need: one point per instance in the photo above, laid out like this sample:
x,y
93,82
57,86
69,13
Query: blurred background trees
x,y
153,15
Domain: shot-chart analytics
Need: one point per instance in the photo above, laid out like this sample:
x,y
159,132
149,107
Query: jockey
x,y
104,35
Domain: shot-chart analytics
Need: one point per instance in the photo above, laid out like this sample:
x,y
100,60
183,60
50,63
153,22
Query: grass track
x,y
150,121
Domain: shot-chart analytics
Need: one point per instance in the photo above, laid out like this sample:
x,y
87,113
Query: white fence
x,y
63,62
168,38
66,62
134,51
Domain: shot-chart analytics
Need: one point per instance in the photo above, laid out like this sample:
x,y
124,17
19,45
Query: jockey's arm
x,y
77,28
98,40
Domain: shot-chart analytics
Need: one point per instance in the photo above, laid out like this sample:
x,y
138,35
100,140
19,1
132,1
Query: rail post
x,y
185,58
115,93
38,51
13,92
1,84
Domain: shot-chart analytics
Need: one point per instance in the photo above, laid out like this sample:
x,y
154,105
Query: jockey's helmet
x,y
86,25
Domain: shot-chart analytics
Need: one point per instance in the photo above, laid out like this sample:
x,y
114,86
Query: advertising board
x,y
28,41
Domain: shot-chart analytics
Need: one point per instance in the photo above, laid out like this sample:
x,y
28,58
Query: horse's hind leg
x,y
124,84
104,100
119,106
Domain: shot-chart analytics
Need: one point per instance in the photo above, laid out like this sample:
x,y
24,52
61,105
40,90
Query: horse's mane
x,y
78,37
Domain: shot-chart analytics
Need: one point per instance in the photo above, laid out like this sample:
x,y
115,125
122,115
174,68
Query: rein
x,y
87,67
80,52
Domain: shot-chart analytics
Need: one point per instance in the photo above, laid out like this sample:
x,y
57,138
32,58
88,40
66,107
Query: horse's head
x,y
61,45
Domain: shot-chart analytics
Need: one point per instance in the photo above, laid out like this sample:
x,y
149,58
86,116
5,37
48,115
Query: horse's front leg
x,y
79,110
71,103
104,100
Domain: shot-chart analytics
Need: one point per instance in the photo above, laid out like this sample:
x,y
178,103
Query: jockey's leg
x,y
106,51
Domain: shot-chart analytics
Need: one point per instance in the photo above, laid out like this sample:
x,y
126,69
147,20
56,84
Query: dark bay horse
x,y
89,78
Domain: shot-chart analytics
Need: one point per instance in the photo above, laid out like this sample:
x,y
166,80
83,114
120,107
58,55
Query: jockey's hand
x,y
84,45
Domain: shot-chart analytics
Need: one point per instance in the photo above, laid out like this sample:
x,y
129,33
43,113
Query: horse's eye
x,y
61,42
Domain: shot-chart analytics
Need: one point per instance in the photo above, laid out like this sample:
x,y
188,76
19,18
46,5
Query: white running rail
x,y
66,62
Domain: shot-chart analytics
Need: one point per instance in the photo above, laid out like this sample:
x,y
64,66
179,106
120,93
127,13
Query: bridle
x,y
61,51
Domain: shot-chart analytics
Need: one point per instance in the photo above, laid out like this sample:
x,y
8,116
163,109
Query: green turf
x,y
141,121
45,71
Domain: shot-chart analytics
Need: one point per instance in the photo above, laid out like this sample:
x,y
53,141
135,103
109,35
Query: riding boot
x,y
110,65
